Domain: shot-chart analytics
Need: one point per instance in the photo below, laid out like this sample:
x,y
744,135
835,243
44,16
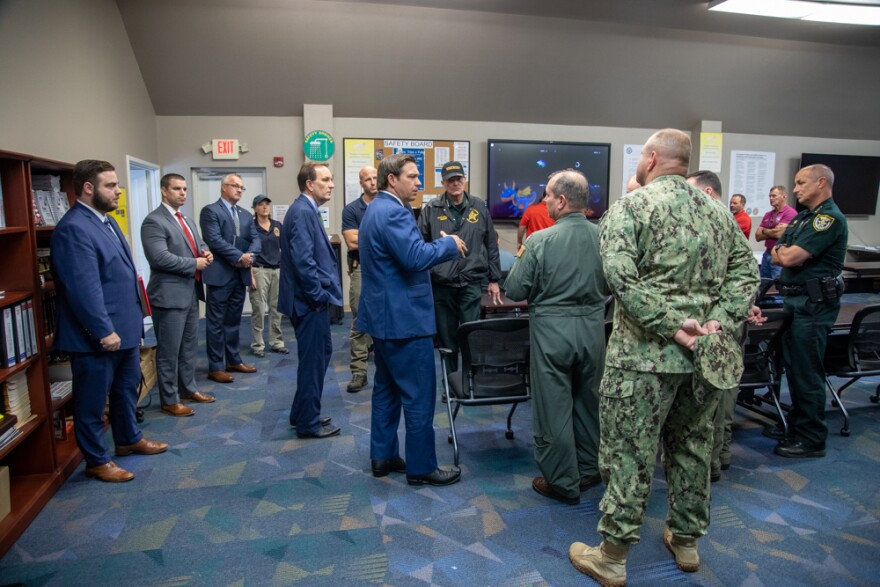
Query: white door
x,y
143,196
206,190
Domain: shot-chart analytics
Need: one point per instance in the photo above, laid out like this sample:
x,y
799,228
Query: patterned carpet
x,y
239,500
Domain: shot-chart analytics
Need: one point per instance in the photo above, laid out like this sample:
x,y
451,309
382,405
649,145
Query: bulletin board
x,y
430,155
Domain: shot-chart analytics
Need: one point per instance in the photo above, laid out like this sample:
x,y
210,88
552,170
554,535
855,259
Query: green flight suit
x,y
670,252
560,274
823,233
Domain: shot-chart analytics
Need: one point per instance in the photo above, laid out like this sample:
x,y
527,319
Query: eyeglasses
x,y
236,186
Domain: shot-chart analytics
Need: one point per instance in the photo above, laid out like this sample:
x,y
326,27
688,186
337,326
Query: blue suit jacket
x,y
218,231
96,281
309,271
396,300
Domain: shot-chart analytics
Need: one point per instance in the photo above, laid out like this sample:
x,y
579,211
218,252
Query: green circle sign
x,y
318,145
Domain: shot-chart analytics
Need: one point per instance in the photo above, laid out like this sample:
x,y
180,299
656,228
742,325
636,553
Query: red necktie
x,y
192,243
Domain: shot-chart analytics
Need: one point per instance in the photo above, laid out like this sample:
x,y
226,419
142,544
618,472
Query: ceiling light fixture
x,y
857,12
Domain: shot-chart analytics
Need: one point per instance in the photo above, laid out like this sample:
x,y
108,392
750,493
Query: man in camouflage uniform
x,y
560,273
681,282
811,252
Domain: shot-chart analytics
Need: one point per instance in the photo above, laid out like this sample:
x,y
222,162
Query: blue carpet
x,y
239,500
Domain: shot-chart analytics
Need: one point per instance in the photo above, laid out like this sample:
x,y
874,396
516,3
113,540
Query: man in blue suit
x,y
397,310
100,321
230,235
309,284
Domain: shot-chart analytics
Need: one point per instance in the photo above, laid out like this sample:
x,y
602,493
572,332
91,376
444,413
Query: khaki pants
x,y
264,300
360,341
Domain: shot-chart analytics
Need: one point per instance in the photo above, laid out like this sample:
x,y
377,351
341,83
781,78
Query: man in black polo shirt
x,y
811,252
264,296
457,284
352,215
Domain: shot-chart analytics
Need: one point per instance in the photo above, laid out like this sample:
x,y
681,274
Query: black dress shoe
x,y
322,421
777,432
323,432
438,478
383,467
714,476
795,449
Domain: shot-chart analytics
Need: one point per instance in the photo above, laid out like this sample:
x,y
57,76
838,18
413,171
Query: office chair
x,y
852,355
494,369
762,366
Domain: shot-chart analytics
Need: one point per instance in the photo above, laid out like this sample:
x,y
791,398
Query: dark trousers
x,y
405,380
223,308
95,376
176,342
313,347
453,306
803,348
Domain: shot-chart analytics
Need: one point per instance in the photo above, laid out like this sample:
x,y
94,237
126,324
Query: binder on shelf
x,y
32,327
18,323
8,354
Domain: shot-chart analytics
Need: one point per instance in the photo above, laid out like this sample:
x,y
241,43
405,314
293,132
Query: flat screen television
x,y
518,173
856,180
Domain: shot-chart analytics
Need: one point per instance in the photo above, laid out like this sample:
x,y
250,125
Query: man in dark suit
x,y
230,234
177,257
100,321
309,284
397,310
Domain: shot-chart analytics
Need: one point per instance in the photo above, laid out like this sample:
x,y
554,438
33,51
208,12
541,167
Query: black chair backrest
x,y
762,349
864,339
492,347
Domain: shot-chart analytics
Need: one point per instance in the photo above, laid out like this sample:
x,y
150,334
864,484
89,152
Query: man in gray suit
x,y
177,256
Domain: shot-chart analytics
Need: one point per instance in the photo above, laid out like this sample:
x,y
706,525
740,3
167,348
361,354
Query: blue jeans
x,y
767,268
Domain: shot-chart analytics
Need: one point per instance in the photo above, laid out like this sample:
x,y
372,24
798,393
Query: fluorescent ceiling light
x,y
835,12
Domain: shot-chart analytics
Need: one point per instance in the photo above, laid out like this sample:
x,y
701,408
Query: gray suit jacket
x,y
172,265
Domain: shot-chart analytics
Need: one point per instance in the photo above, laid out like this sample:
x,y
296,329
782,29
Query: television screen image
x,y
856,180
518,173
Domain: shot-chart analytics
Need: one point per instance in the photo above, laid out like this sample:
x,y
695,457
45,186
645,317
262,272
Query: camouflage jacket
x,y
671,252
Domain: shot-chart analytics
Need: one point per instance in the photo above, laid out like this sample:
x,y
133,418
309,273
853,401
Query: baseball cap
x,y
451,169
259,198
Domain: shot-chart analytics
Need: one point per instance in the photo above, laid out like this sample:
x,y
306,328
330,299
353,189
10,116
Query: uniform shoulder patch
x,y
822,222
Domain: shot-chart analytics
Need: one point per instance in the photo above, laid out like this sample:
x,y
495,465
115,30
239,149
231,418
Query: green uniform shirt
x,y
670,253
560,272
823,233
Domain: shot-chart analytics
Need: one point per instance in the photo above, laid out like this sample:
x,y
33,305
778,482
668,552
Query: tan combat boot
x,y
684,549
605,563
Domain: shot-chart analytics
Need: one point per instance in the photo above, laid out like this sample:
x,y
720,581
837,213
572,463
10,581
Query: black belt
x,y
267,266
792,290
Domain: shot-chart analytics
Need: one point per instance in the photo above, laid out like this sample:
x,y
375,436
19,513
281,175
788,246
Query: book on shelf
x,y
49,313
7,422
8,436
8,357
60,205
20,345
32,327
46,181
42,198
16,399
38,217
62,424
60,389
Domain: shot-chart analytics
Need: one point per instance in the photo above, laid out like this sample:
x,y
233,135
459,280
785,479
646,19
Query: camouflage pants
x,y
639,412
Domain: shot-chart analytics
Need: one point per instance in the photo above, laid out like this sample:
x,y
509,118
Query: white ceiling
x,y
627,63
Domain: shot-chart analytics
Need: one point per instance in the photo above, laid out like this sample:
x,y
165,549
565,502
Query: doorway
x,y
143,197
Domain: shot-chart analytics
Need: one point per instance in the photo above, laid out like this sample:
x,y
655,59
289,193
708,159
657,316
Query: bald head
x,y
367,179
666,152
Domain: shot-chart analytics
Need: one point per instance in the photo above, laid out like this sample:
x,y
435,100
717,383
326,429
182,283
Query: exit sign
x,y
225,148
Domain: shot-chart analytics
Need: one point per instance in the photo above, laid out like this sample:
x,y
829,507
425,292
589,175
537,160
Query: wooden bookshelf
x,y
38,463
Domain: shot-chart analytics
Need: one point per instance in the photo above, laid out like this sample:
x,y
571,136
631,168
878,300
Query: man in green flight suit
x,y
811,252
682,281
560,273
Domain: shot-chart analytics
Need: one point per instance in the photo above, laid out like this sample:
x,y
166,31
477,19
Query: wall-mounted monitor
x,y
518,173
856,180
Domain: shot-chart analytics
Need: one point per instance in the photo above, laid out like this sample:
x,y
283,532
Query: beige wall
x,y
70,87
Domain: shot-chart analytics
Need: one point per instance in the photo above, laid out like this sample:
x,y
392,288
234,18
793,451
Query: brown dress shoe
x,y
178,410
109,473
142,447
198,396
220,377
242,368
542,486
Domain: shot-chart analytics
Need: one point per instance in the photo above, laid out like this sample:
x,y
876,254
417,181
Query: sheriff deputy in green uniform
x,y
560,273
811,252
457,285
683,281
